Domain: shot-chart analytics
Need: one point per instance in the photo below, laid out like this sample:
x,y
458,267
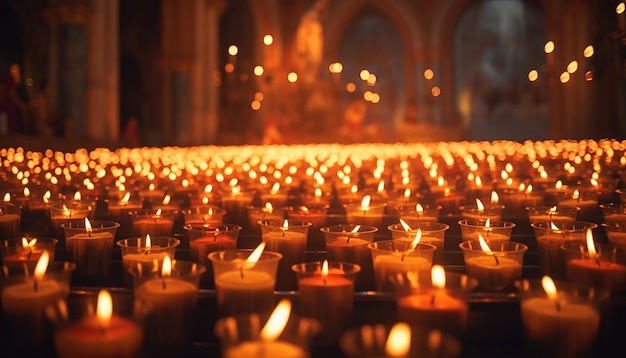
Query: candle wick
x,y
364,211
558,305
497,261
402,258
324,280
146,252
432,300
597,260
35,285
284,233
241,272
164,285
29,253
348,240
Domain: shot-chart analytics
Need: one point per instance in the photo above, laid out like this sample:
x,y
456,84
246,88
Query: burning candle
x,y
10,215
392,257
430,233
155,223
494,265
245,281
120,212
69,214
26,294
102,335
587,202
489,229
26,251
349,243
235,204
145,250
169,293
439,302
598,265
365,213
90,245
316,215
327,294
288,238
419,213
538,214
558,323
492,212
204,214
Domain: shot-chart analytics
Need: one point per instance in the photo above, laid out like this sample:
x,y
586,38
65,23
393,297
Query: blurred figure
x,y
10,102
130,135
44,113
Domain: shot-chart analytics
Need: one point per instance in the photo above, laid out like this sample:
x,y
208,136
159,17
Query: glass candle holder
x,y
244,288
495,267
17,253
439,303
327,296
614,213
616,234
204,214
240,336
564,323
492,212
236,202
430,233
70,214
492,230
349,243
586,201
414,213
25,297
603,268
10,220
289,238
102,333
392,257
258,213
371,215
90,248
119,211
142,250
168,296
316,215
551,214
550,237
370,341
205,239
153,222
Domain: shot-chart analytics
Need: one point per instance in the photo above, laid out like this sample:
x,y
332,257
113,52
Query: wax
x,y
247,292
200,248
355,250
551,257
387,265
602,274
292,245
486,234
23,257
491,275
265,349
153,226
572,327
122,338
9,226
329,300
620,219
434,309
91,252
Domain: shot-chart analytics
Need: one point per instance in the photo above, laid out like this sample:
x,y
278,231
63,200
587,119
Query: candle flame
x,y
104,308
478,181
576,195
552,210
591,245
381,186
419,208
399,340
487,223
66,211
438,276
158,212
440,181
494,197
125,198
407,193
365,203
269,207
166,269
277,322
88,225
42,265
479,205
405,226
28,244
254,256
77,196
148,241
7,197
318,193
167,199
46,196
285,224
483,245
325,269
548,285
554,227
446,192
356,229
558,185
529,189
416,240
208,188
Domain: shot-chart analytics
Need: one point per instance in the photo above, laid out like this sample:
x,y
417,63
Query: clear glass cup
x,y
393,257
136,251
316,215
90,249
10,220
603,268
496,268
153,222
492,230
554,213
431,233
26,251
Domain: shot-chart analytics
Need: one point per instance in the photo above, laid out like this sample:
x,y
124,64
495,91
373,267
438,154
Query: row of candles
x,y
354,256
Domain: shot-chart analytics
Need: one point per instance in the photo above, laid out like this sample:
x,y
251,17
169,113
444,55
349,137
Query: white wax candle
x,y
388,265
244,292
265,349
493,275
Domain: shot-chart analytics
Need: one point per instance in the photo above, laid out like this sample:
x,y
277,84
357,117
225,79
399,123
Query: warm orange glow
x,y
576,195
365,202
255,256
591,247
375,98
335,67
268,39
533,75
564,77
548,285
548,47
125,199
325,269
277,321
166,199
435,91
399,340
233,50
416,240
364,74
28,244
166,269
554,227
259,96
7,198
620,8
429,74
350,87
419,208
258,70
87,225
484,246
285,224
229,68
292,77
42,265
104,308
588,51
148,241
572,67
589,76
479,205
438,276
494,197
255,105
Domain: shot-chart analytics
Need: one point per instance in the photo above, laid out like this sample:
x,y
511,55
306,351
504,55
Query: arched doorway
x,y
496,44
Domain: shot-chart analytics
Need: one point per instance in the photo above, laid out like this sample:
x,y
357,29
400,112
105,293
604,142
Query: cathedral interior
x,y
230,72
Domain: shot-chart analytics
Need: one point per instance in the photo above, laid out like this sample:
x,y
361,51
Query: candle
x,y
204,214
90,246
245,280
392,257
492,212
169,293
365,214
266,212
494,265
432,233
419,213
120,212
26,251
276,196
327,294
101,335
538,214
235,204
10,215
598,265
289,239
587,202
558,323
145,250
550,237
490,230
155,223
439,302
70,214
316,215
26,294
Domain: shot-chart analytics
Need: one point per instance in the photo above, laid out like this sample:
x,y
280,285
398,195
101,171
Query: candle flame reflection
x,y
399,340
438,276
148,241
28,244
277,321
166,269
479,205
549,287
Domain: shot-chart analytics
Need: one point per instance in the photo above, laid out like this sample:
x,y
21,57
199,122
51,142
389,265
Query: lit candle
x,y
120,212
141,251
9,220
90,247
392,257
26,251
365,213
349,243
101,335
